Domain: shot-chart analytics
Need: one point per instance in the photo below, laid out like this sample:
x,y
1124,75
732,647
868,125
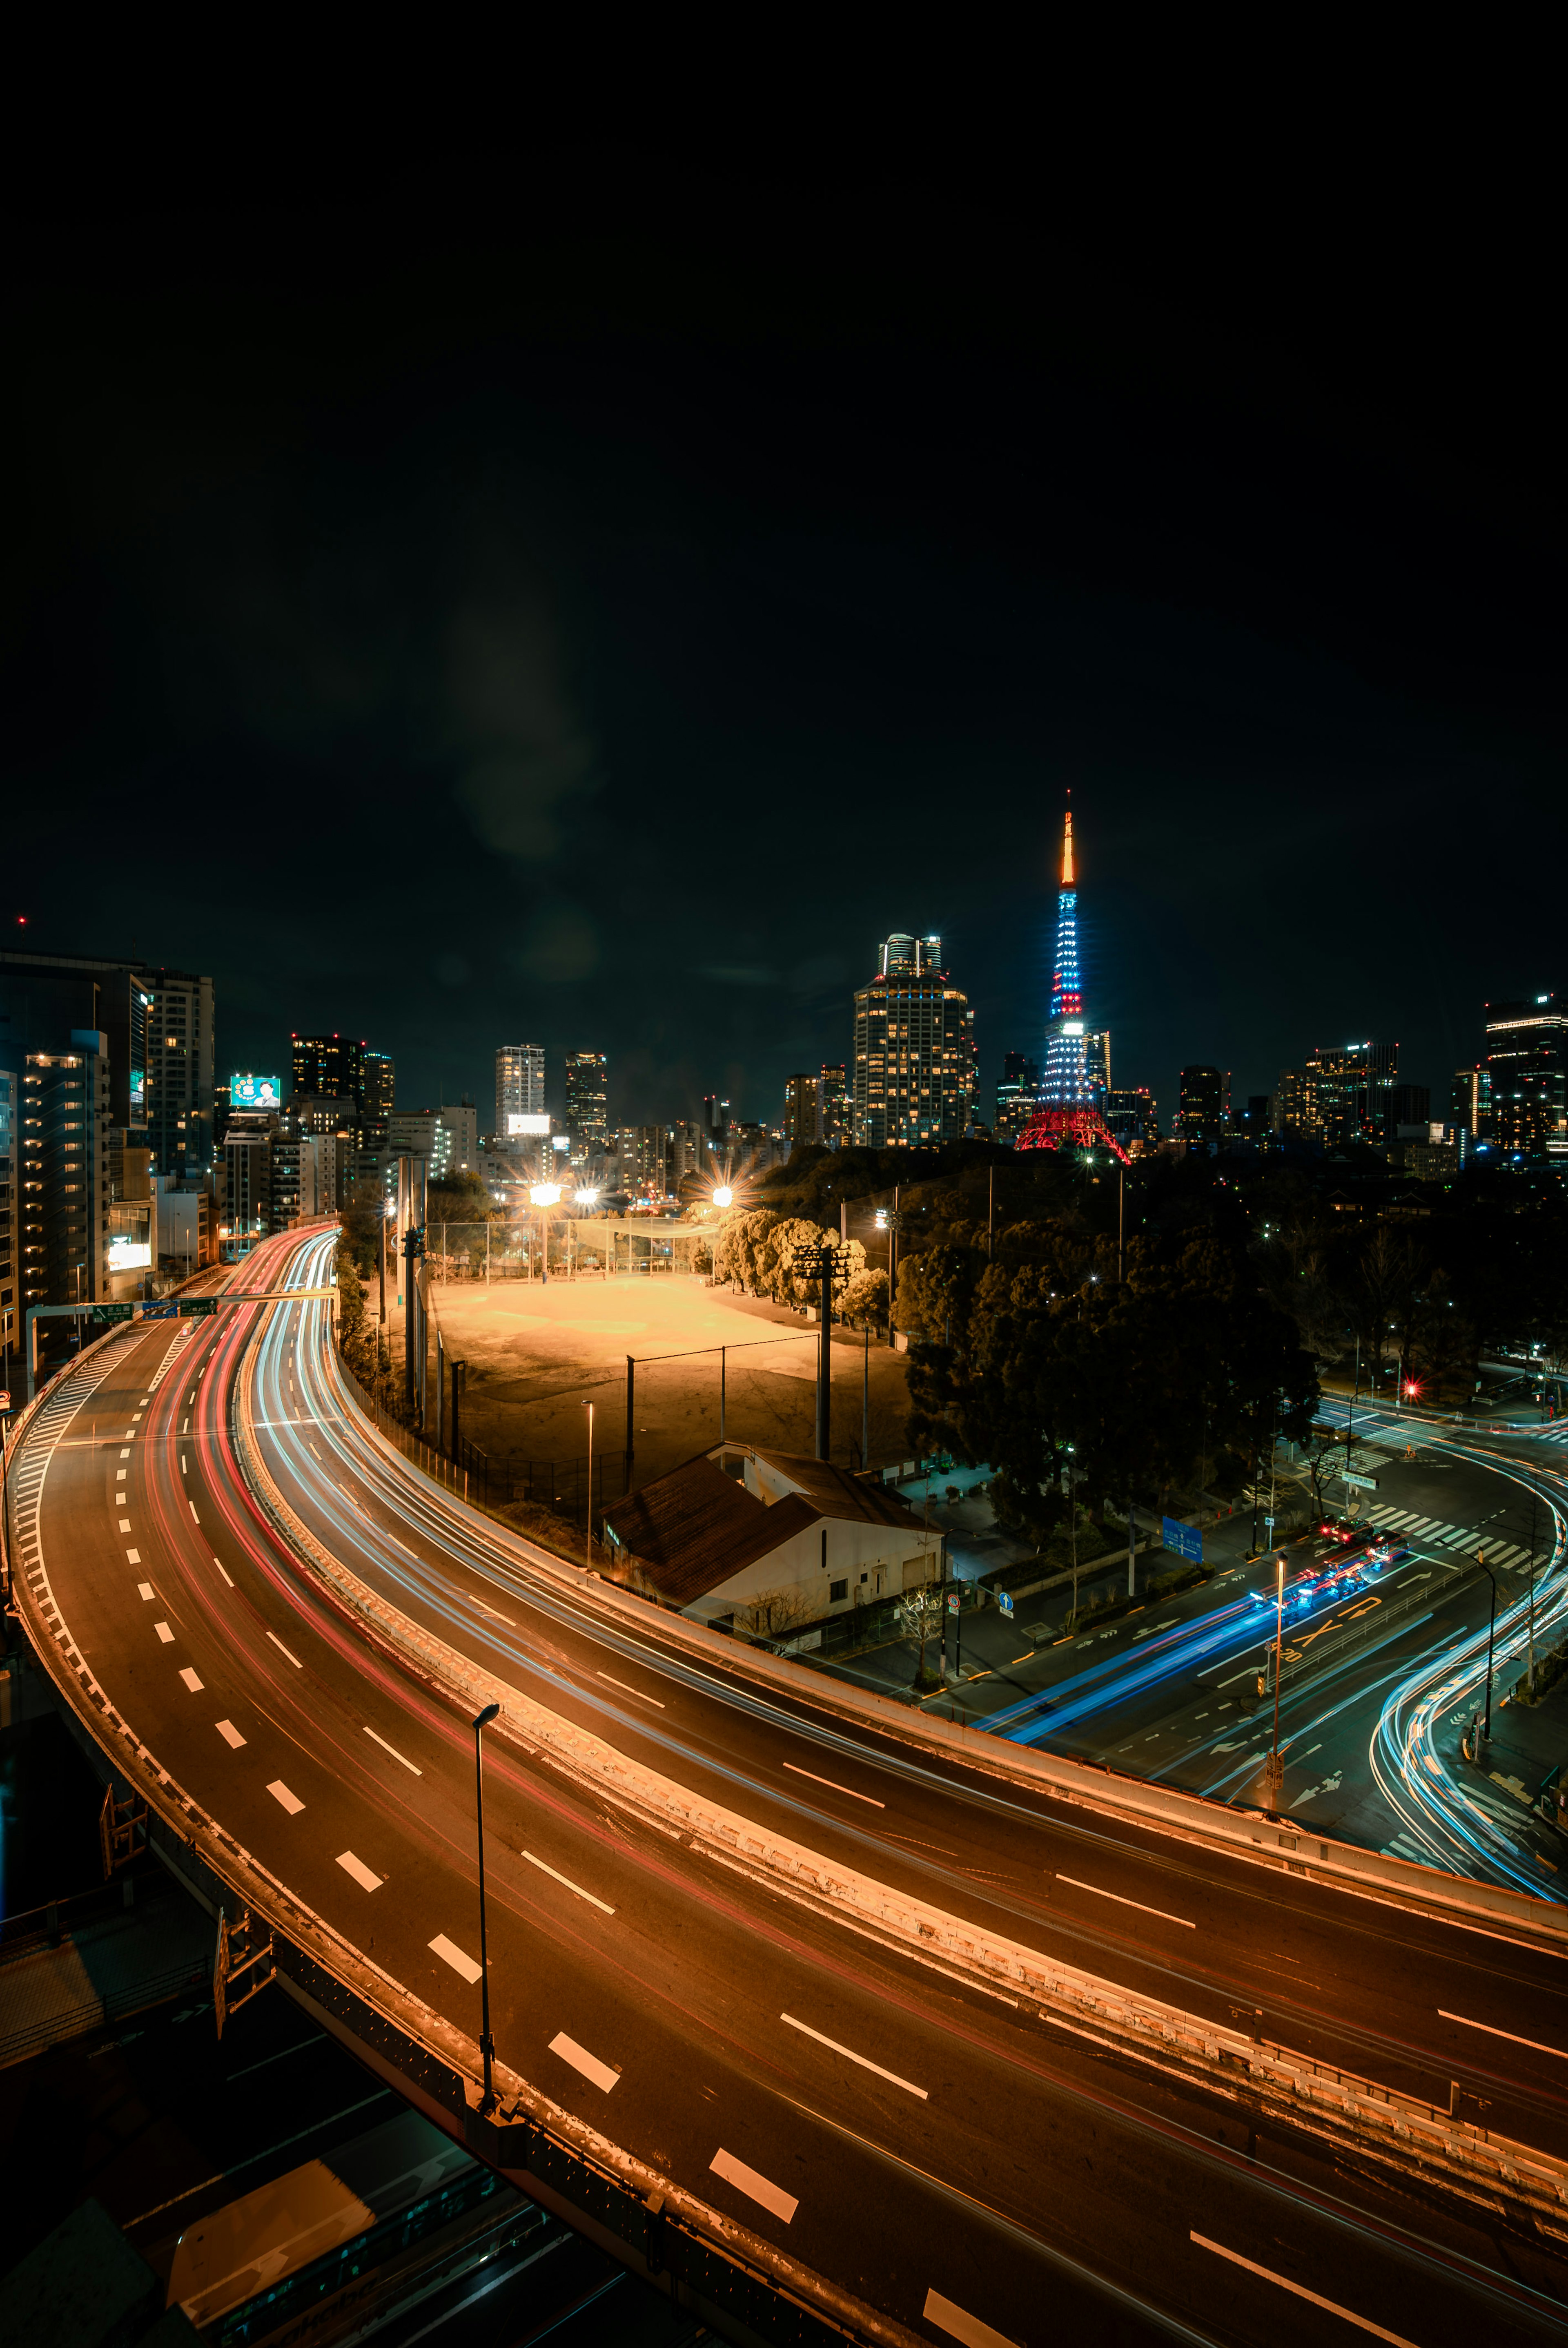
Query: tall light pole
x,y
1273,1775
545,1195
487,2044
588,1558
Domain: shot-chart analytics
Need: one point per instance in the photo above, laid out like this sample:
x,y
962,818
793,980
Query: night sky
x,y
596,615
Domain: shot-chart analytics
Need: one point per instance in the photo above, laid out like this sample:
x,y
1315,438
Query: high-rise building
x,y
378,1075
802,1111
914,1051
1017,1094
48,994
10,1324
331,1064
1295,1110
1204,1094
63,1177
1255,1122
1470,1101
180,1073
1129,1117
716,1117
1527,1061
586,1104
1097,1064
1408,1105
519,1087
833,1123
1354,1085
448,1138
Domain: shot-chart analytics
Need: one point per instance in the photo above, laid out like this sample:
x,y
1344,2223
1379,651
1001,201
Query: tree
x,y
772,1612
866,1297
920,1618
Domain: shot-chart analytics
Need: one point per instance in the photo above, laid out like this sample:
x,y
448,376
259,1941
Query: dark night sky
x,y
599,620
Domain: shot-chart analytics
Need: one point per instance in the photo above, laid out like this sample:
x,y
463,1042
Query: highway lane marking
x,y
360,1873
453,1955
600,2073
225,1575
191,1682
1349,2315
144,1589
627,1688
1099,1894
838,1788
124,1524
546,1870
182,1467
131,1431
961,2324
284,1650
756,2187
185,1428
119,1478
165,1634
133,1557
849,2054
393,1750
1533,2044
230,1734
125,1455
281,1792
193,1512
493,1612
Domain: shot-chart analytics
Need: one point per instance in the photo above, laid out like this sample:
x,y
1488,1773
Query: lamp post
x,y
1273,1774
588,1558
545,1195
487,2044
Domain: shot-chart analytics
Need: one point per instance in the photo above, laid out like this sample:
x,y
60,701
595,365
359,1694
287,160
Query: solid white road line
x,y
1533,2044
393,1750
164,1633
281,1792
1346,2315
1162,1913
284,1650
836,1788
755,2188
144,1590
848,2052
569,1884
962,2324
453,1956
360,1873
226,1577
133,1557
230,1734
631,1691
191,1682
193,1512
600,2073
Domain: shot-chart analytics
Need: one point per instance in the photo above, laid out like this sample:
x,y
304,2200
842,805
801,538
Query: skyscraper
x,y
519,1086
1527,1061
1068,1110
1354,1083
802,1111
1204,1093
835,1107
380,1084
588,1104
914,1081
329,1066
1017,1095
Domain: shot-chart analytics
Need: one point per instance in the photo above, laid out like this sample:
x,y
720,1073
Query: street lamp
x,y
487,2044
545,1195
588,1556
1273,1774
723,1195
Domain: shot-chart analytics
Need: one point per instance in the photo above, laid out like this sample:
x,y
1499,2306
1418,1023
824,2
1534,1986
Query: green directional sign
x,y
100,1315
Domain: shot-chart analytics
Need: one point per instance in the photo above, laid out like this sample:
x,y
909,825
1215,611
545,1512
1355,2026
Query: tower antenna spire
x,y
1067,879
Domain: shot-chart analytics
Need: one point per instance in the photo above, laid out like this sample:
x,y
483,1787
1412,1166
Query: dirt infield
x,y
537,1352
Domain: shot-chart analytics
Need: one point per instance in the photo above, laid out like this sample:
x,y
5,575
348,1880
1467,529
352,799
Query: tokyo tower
x,y
1067,1113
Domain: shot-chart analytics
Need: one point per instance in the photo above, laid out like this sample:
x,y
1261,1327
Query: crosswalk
x,y
1454,1537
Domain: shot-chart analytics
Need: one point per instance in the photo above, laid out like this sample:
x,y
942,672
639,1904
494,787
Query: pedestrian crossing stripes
x,y
1470,1539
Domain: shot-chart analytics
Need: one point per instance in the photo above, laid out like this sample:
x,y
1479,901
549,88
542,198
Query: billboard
x,y
255,1092
128,1255
138,1093
519,1122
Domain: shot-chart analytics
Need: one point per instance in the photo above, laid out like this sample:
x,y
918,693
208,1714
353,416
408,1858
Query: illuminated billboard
x,y
518,1121
128,1255
255,1092
138,1092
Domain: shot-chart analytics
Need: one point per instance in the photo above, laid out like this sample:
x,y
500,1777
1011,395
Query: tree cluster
x,y
757,1250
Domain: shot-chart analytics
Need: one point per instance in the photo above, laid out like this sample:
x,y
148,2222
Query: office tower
x,y
10,1321
1295,1110
1255,1122
180,1073
519,1088
1130,1118
914,1051
1097,1064
377,1076
802,1111
1408,1105
448,1138
48,994
1354,1082
1018,1096
1470,1101
1201,1117
586,1104
1068,1112
1527,1063
832,1119
329,1065
252,1199
63,1219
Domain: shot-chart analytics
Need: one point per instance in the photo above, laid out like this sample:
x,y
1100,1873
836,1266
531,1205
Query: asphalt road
x,y
952,2160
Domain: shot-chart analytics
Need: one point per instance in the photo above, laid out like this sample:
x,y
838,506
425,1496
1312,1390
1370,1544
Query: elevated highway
x,y
841,2022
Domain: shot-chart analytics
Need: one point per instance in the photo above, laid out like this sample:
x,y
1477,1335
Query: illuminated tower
x,y
1068,1110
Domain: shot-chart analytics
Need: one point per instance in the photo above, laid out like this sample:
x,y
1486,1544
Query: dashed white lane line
x,y
230,1734
165,1634
849,2054
1299,2290
631,1691
600,2073
838,1788
119,1478
216,1563
144,1590
182,1467
193,1512
569,1883
754,2187
133,1557
191,1682
185,1428
125,1455
281,1792
394,1751
1142,1905
284,1650
453,1955
957,2322
124,1524
360,1873
1533,2044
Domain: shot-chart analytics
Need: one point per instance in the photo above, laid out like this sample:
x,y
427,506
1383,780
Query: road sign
x,y
952,1601
1185,1540
101,1315
1359,1483
1004,1601
6,1404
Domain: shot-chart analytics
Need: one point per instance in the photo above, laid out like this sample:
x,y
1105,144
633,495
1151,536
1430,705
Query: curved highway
x,y
951,2161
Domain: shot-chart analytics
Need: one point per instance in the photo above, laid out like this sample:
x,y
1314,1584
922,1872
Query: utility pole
x,y
630,1412
413,1249
825,1265
866,1403
1273,1772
